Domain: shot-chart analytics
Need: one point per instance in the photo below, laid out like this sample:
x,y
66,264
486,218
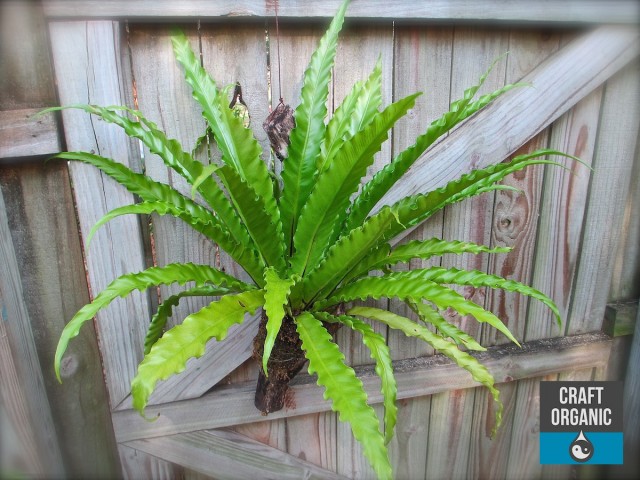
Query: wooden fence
x,y
575,234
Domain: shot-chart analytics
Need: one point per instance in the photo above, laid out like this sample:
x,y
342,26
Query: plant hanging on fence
x,y
308,241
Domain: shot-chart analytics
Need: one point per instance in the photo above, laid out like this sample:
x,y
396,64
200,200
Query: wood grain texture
x,y
233,404
227,455
549,11
86,60
22,135
474,49
87,63
54,286
625,282
26,79
500,129
358,50
422,60
613,162
22,388
514,225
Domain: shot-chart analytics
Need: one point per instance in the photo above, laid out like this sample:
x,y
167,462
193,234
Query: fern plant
x,y
308,241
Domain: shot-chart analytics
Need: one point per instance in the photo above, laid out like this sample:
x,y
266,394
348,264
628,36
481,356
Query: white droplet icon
x,y
581,449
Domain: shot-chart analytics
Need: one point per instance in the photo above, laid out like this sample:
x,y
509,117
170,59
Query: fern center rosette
x,y
308,241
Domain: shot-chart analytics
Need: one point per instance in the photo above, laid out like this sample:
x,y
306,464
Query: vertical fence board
x,y
613,163
515,220
474,49
22,389
557,247
87,63
422,62
358,50
54,287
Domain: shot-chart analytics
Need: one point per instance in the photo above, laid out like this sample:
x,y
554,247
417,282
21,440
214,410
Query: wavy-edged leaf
x,y
342,257
161,208
327,205
429,314
478,371
194,214
251,208
477,279
159,319
170,151
422,249
240,150
299,169
125,284
344,389
414,286
170,353
354,113
383,180
379,351
276,296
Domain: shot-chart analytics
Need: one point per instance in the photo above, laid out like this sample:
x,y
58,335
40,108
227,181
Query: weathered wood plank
x,y
86,60
550,11
625,284
26,79
613,162
138,465
54,287
514,224
557,247
422,60
22,135
87,63
452,413
631,402
358,50
225,454
500,129
22,389
233,405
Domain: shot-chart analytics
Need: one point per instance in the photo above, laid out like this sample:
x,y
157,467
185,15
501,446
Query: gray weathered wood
x,y
625,283
549,11
631,400
87,64
358,50
452,412
500,129
54,286
613,163
233,405
229,455
557,247
22,135
514,224
22,387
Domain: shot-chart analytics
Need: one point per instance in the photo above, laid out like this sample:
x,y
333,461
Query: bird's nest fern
x,y
308,241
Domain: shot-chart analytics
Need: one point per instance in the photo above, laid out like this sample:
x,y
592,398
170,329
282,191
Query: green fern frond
x,y
170,353
344,389
326,207
429,314
411,329
159,319
422,249
276,295
299,168
173,273
379,351
410,287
